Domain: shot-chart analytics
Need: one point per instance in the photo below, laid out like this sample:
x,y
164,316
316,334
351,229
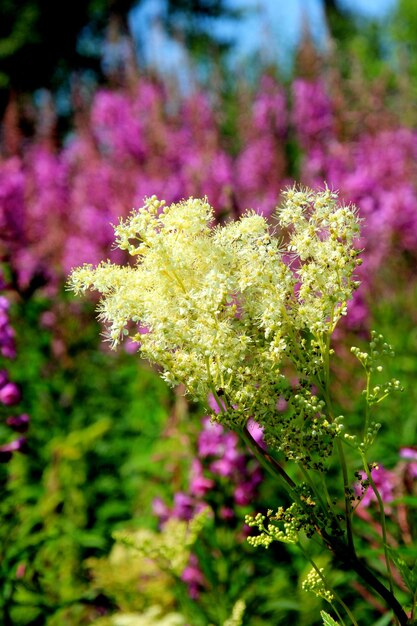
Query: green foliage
x,y
408,574
85,470
402,29
327,619
98,457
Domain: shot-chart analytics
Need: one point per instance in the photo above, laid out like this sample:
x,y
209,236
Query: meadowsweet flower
x,y
226,306
237,614
172,545
315,583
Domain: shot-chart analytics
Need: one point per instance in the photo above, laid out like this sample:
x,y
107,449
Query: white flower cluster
x,y
271,532
237,614
221,308
170,548
321,238
315,583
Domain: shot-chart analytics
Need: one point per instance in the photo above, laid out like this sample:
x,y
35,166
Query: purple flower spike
x,y
183,506
226,513
243,494
9,391
199,484
211,439
193,576
161,510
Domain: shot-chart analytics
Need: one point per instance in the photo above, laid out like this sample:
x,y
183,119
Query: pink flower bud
x,y
9,394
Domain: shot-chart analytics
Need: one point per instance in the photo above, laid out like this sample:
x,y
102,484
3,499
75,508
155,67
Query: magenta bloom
x,y
199,484
9,394
193,577
7,344
212,402
257,432
6,451
385,482
410,455
211,439
161,510
9,391
183,506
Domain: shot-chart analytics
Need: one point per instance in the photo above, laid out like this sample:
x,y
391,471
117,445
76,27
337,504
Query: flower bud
x,y
9,394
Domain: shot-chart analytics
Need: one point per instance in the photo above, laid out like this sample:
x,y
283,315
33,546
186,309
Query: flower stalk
x,y
237,313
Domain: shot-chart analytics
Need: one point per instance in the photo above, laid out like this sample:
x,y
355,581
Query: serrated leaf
x,y
328,619
407,574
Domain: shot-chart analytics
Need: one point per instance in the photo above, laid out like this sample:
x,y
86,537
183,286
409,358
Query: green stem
x,y
342,553
343,464
314,489
348,503
329,587
355,563
413,608
382,520
368,577
346,484
367,391
267,461
326,492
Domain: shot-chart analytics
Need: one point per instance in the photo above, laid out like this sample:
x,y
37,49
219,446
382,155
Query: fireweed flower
x,y
410,456
9,392
385,481
218,457
227,306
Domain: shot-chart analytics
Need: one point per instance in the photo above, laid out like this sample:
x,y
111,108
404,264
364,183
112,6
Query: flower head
x,y
225,306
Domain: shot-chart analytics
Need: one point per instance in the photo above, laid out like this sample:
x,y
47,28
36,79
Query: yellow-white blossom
x,y
220,308
315,583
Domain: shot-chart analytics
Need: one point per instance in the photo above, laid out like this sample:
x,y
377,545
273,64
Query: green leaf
x,y
385,620
409,575
328,619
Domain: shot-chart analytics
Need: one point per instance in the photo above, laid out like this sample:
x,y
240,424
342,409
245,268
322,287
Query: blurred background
x,y
103,102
